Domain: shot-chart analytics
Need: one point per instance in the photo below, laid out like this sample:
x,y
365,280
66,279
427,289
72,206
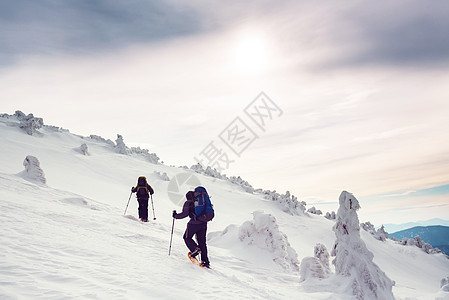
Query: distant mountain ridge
x,y
392,228
437,236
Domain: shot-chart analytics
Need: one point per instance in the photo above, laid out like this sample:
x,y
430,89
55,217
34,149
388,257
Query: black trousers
x,y
200,231
143,208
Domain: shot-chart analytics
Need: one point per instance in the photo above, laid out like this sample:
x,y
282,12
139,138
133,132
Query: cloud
x,y
85,27
406,33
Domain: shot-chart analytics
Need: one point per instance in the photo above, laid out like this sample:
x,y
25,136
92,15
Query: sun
x,y
250,54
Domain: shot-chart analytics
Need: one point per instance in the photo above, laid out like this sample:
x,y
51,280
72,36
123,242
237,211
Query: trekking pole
x,y
154,217
128,203
171,237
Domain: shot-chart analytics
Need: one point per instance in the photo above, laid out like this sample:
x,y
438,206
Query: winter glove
x,y
132,188
174,214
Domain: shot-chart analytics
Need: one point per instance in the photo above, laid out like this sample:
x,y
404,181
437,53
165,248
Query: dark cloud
x,y
402,33
79,26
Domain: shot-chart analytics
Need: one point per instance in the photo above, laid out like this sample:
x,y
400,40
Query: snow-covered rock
x,y
353,260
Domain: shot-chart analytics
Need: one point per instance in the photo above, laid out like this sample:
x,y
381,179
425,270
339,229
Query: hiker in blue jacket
x,y
143,190
194,227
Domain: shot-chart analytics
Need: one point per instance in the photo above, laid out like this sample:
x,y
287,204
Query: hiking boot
x,y
205,265
194,253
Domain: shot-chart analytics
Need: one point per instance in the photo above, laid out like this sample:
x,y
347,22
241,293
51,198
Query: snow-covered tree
x,y
120,145
29,123
365,280
314,211
317,266
33,170
263,232
84,149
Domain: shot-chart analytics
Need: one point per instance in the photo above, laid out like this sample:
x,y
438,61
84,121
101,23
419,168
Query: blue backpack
x,y
204,210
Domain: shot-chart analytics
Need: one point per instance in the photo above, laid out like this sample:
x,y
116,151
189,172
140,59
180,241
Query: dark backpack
x,y
142,189
204,210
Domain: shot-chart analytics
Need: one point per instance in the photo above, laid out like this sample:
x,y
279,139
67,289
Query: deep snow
x,y
68,237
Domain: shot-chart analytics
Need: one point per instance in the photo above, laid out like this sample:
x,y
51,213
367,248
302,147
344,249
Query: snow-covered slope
x,y
69,237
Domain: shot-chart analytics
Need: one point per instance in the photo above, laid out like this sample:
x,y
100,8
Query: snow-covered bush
x,y
242,183
29,123
237,180
100,139
162,176
121,148
83,149
418,242
151,157
379,234
33,170
331,215
263,232
288,203
198,168
444,284
314,211
352,259
317,266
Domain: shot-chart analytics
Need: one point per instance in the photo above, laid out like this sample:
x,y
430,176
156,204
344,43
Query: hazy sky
x,y
359,90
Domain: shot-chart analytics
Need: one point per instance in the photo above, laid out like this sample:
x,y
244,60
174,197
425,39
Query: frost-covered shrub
x,y
331,215
29,123
162,176
214,173
198,168
418,242
84,150
33,170
288,203
317,266
444,284
352,259
242,183
379,234
151,157
100,139
121,148
263,232
314,211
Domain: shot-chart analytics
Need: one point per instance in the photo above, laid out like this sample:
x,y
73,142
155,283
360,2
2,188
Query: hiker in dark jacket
x,y
194,227
143,190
